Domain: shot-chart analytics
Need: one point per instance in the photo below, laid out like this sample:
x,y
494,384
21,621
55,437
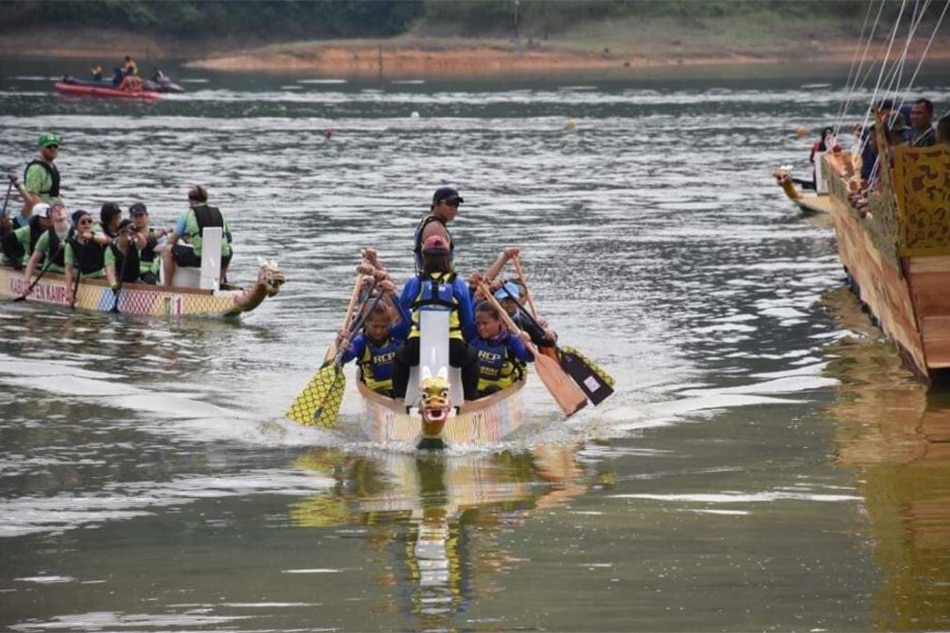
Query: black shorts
x,y
185,257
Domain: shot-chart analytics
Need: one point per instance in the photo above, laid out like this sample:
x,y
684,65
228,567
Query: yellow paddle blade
x,y
319,402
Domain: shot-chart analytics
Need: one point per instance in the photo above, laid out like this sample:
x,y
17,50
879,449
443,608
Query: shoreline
x,y
445,57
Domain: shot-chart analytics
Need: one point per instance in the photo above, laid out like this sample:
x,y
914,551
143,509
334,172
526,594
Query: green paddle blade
x,y
319,403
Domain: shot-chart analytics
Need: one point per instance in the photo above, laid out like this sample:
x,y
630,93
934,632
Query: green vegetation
x,y
269,19
277,20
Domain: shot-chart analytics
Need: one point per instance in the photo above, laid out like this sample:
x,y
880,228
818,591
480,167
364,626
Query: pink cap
x,y
435,244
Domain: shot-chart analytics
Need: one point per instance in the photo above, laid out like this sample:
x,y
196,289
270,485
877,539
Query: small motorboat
x,y
81,87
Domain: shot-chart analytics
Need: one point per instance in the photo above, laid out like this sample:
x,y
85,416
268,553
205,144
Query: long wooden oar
x,y
593,381
118,288
354,298
319,402
524,284
567,395
49,262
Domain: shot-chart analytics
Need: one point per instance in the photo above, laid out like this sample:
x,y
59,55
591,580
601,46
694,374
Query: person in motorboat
x,y
375,347
117,77
96,72
50,251
130,68
501,355
18,245
190,227
436,287
444,208
921,130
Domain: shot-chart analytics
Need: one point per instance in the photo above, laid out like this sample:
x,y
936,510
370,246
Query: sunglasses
x,y
451,203
52,147
85,222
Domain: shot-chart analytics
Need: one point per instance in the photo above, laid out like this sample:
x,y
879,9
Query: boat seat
x,y
208,277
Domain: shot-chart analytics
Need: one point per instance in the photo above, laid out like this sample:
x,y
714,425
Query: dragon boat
x,y
893,233
807,202
96,295
895,247
193,292
434,414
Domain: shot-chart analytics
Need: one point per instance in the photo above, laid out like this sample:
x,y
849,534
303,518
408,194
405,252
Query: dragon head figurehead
x,y
434,402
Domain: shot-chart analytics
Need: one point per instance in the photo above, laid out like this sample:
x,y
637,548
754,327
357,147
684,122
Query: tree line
x,y
321,19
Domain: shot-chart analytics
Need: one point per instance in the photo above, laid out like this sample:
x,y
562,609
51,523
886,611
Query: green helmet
x,y
48,138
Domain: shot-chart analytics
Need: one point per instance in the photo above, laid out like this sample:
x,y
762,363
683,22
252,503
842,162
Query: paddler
x,y
41,177
436,287
445,206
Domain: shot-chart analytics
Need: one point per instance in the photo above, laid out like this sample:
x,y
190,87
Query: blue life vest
x,y
376,364
437,292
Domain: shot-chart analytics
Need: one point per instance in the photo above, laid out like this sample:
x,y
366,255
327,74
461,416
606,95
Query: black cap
x,y
137,209
446,193
108,211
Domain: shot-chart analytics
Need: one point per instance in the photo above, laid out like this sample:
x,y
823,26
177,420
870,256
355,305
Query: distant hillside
x,y
277,20
630,32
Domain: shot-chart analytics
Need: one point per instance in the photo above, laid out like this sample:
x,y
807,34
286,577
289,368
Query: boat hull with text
x,y
96,295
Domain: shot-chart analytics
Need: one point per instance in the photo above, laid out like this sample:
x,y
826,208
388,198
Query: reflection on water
x,y
896,436
434,520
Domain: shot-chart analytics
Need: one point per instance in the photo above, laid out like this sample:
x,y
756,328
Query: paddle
x,y
118,288
49,262
72,304
6,200
319,402
559,385
524,284
593,381
357,296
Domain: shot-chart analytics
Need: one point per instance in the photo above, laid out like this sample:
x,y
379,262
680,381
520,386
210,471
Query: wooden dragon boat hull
x,y
486,420
95,295
809,203
897,253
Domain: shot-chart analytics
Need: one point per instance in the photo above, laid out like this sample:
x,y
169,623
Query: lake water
x,y
765,463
